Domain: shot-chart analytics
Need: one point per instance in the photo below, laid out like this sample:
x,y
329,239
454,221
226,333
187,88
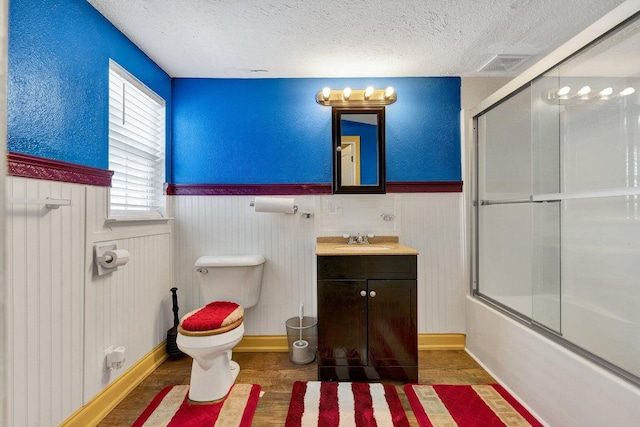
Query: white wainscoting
x,y
130,307
433,223
67,316
429,222
45,302
61,316
227,225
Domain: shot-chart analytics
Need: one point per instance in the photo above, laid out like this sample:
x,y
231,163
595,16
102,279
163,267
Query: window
x,y
136,147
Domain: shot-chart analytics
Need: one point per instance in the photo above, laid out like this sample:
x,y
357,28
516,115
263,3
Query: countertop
x,y
382,245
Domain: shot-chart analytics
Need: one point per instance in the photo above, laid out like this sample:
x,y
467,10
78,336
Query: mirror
x,y
358,150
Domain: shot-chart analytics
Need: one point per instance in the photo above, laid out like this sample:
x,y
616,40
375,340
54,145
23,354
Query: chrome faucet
x,y
357,239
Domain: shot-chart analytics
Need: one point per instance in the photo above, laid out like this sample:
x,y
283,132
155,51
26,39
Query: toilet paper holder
x,y
252,203
109,257
307,215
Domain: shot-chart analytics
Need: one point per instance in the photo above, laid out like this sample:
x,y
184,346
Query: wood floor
x,y
275,373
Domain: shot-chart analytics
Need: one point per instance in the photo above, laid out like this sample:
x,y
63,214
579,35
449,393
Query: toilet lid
x,y
215,315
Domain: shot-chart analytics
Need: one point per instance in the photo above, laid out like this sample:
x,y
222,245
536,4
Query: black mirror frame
x,y
381,188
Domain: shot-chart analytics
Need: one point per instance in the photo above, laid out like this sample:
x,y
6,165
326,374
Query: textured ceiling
x,y
353,38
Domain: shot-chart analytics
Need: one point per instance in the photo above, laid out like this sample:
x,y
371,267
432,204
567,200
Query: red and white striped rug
x,y
171,408
343,404
467,406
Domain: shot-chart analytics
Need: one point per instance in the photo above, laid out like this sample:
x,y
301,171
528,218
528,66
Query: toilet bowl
x,y
212,371
208,334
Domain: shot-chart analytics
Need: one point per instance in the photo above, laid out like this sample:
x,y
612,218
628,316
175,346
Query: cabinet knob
x,y
363,293
372,294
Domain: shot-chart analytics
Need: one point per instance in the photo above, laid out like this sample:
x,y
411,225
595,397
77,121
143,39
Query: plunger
x,y
172,334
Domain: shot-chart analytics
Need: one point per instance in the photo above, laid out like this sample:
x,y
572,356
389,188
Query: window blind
x,y
136,147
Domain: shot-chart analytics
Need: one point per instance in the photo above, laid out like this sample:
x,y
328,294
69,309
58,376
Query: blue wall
x,y
271,131
247,131
58,74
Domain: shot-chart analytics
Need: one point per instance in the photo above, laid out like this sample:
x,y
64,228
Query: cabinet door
x,y
393,334
342,322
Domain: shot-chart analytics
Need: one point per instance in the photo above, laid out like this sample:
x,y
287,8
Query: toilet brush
x,y
300,316
301,347
172,334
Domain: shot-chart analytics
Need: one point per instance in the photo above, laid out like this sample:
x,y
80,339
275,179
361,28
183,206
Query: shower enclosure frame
x,y
621,19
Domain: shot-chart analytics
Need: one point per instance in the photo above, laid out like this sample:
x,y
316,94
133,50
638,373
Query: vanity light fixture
x,y
564,96
356,97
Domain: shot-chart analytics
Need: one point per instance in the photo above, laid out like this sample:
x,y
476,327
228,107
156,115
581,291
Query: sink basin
x,y
362,248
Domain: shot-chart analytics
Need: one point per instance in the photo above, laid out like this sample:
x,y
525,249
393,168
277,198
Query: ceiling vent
x,y
504,63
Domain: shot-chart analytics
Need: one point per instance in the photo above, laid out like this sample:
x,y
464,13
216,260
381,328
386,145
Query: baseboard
x,y
442,341
98,407
263,344
279,344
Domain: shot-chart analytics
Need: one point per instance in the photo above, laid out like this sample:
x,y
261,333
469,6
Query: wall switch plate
x,y
334,206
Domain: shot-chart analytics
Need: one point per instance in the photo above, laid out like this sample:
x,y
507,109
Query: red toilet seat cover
x,y
214,315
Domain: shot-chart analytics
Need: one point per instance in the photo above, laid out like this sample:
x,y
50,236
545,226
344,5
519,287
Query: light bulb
x,y
627,91
564,90
584,91
388,92
326,92
368,92
606,92
346,93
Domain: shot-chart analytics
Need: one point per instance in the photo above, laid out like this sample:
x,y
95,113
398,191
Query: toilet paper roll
x,y
274,204
115,258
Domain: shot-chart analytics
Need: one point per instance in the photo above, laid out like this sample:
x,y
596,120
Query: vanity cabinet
x,y
367,318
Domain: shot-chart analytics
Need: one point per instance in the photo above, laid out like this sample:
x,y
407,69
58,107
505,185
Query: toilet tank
x,y
236,278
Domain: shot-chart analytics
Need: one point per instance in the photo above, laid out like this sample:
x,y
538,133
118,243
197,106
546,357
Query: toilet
x,y
229,284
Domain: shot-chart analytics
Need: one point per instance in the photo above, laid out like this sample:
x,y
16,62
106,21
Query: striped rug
x,y
171,408
467,406
343,404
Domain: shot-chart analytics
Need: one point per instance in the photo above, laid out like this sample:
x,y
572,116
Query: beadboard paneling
x,y
217,225
227,225
130,307
433,224
45,309
61,315
339,214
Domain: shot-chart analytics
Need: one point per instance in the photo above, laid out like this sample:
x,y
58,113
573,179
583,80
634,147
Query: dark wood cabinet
x,y
367,318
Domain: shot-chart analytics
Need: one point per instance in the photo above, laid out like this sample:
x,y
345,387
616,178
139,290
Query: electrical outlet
x,y
107,352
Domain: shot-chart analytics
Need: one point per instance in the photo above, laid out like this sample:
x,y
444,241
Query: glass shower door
x,y
504,211
546,157
557,221
518,240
